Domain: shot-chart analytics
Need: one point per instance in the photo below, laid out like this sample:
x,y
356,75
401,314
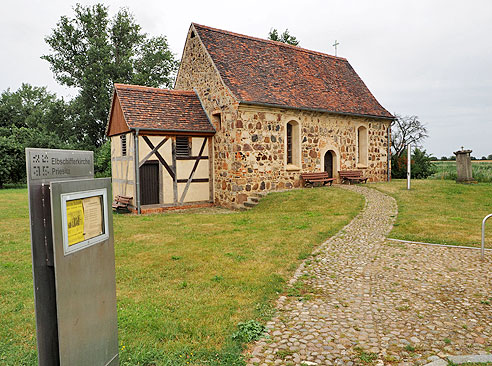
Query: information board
x,y
83,251
42,167
84,218
72,258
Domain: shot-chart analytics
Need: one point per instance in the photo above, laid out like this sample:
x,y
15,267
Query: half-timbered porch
x,y
161,148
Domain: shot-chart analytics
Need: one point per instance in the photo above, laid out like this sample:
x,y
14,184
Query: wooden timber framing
x,y
171,167
153,151
175,178
192,173
211,169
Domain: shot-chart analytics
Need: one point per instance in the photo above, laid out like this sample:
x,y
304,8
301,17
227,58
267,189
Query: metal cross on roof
x,y
335,45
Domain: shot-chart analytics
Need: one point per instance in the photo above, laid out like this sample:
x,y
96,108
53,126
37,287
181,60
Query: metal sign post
x,y
409,164
73,259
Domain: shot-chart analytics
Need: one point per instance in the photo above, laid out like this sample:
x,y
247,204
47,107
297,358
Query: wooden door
x,y
149,183
329,163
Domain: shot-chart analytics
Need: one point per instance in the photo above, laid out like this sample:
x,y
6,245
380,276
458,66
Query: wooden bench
x,y
352,176
121,203
313,178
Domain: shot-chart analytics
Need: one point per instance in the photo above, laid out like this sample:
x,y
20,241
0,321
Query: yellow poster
x,y
75,221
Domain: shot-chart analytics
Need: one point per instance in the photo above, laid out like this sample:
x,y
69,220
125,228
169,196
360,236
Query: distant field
x,y
481,170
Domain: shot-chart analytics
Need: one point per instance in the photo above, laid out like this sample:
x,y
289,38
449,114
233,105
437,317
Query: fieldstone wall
x,y
198,72
260,157
249,151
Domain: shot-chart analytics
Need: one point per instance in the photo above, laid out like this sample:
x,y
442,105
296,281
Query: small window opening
x,y
123,145
362,145
183,146
289,143
217,120
293,144
192,34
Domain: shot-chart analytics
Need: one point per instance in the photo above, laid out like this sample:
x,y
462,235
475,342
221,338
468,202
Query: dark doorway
x,y
329,160
149,183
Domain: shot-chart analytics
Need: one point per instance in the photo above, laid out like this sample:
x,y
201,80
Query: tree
x,y
407,130
10,155
489,157
30,117
102,160
36,108
284,37
92,51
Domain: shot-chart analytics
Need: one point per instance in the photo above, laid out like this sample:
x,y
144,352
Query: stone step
x,y
254,199
250,204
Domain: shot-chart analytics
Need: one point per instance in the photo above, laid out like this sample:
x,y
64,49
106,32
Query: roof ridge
x,y
149,89
286,45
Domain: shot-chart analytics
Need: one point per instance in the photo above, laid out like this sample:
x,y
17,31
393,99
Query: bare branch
x,y
405,130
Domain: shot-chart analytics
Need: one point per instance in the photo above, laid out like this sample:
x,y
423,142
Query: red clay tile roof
x,y
262,71
162,109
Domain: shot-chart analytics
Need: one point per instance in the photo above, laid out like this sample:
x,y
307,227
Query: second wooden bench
x,y
352,176
313,178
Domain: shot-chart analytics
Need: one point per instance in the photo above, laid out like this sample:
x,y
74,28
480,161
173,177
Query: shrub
x,y
420,163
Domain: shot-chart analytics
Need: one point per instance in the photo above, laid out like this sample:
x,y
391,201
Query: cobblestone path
x,y
362,300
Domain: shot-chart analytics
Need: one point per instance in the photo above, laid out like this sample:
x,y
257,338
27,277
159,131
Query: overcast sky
x,y
427,58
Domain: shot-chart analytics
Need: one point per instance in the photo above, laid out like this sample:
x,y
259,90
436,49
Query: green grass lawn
x,y
440,211
184,280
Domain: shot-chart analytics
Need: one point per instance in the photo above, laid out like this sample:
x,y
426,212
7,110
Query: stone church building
x,y
246,115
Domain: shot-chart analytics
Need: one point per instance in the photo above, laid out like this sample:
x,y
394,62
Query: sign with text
x,y
44,166
54,164
72,259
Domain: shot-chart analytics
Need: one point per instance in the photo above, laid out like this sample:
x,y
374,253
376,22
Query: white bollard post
x,y
409,160
482,251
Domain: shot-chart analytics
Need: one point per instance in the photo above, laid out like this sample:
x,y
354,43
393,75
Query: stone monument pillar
x,y
463,166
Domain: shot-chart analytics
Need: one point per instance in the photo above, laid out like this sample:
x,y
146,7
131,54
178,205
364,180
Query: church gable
x,y
265,72
198,72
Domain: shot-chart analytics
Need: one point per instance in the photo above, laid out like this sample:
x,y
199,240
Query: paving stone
x,y
474,358
403,301
438,363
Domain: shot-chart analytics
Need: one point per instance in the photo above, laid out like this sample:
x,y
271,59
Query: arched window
x,y
362,145
292,144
